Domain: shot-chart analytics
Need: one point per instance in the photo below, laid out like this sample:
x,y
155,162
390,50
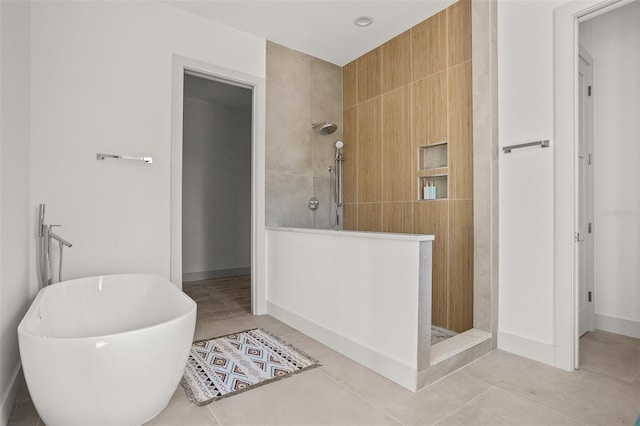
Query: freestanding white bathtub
x,y
107,350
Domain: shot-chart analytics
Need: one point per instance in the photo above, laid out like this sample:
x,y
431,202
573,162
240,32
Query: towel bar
x,y
147,160
543,144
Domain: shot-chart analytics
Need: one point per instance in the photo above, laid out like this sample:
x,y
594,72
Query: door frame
x,y
566,20
180,66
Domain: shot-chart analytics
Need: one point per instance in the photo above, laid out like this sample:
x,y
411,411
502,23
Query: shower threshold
x,y
452,346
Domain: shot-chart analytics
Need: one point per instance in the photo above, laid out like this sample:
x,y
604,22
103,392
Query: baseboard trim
x,y
528,348
618,325
9,397
390,368
219,273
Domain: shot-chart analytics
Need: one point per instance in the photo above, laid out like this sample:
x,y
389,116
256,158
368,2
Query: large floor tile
x,y
583,395
611,354
311,347
426,407
361,380
24,414
182,412
272,325
308,398
436,402
498,407
211,329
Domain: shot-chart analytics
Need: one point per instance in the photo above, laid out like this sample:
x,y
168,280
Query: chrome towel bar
x,y
147,160
543,144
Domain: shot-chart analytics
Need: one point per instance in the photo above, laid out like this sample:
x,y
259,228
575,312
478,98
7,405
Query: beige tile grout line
x,y
417,392
449,174
551,410
452,412
363,399
218,422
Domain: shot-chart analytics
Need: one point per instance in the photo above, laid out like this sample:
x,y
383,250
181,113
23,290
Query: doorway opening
x,y
567,293
203,265
608,192
216,195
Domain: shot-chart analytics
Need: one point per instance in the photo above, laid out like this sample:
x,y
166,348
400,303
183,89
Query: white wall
x,y
525,108
366,295
216,195
526,112
102,82
15,230
614,42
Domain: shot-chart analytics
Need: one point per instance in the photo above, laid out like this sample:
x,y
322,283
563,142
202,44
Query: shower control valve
x,y
313,204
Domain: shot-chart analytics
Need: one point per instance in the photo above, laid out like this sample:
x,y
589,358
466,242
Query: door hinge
x,y
589,91
577,237
589,296
589,159
590,227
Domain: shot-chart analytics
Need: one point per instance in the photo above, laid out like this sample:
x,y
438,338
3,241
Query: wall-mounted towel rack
x,y
543,144
147,160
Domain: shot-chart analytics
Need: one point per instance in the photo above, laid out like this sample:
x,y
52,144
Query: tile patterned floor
x,y
439,334
499,389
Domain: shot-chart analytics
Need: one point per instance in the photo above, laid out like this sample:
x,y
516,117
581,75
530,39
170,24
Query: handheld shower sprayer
x,y
336,183
339,145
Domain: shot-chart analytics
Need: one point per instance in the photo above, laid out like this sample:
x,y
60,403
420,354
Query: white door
x,y
584,213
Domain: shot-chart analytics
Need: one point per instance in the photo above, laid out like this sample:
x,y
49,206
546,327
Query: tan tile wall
x,y
301,90
414,90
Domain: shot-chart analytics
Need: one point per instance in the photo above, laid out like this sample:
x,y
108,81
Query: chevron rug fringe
x,y
224,366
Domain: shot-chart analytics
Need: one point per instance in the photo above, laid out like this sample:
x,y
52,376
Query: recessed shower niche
x,y
433,171
433,156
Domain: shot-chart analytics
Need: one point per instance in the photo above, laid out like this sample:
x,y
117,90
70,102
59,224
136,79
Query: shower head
x,y
339,144
326,128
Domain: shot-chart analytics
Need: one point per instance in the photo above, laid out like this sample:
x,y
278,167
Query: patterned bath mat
x,y
227,365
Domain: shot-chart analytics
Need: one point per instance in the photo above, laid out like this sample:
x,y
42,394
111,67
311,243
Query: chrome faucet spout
x,y
59,239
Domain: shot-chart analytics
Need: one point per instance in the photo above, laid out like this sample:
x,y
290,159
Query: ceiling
x,y
320,28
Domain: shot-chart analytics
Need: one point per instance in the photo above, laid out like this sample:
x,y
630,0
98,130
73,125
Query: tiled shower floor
x,y
439,334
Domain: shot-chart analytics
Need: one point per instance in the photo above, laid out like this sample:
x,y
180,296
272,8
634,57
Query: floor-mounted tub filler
x,y
106,350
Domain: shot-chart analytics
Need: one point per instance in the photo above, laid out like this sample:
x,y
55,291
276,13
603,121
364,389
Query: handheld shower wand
x,y
336,183
339,159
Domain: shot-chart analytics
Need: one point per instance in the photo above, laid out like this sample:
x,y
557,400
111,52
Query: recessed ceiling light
x,y
363,21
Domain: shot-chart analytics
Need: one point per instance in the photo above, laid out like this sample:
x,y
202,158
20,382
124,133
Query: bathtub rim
x,y
23,330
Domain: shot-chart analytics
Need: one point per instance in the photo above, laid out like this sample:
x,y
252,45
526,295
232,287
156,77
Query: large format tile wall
x,y
301,90
416,90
